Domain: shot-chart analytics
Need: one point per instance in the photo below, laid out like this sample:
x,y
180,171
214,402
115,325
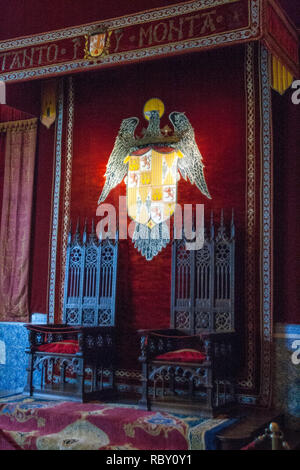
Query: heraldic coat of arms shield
x,y
151,166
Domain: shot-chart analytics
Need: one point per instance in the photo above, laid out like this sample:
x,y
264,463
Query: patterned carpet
x,y
34,424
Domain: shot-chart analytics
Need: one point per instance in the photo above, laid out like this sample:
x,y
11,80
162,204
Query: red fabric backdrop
x,y
286,122
7,113
212,95
33,16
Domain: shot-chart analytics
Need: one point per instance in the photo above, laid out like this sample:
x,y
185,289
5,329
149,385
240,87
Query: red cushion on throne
x,y
182,355
69,346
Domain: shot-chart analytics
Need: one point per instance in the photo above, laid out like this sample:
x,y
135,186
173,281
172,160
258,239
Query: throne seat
x,y
76,359
69,346
193,364
182,355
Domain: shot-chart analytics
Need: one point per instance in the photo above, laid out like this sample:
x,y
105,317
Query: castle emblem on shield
x,y
151,166
97,43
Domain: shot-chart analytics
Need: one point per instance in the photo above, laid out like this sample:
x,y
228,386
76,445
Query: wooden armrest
x,y
162,332
215,335
46,328
154,342
41,334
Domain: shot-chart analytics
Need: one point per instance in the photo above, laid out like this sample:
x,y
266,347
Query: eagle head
x,y
127,128
153,114
179,121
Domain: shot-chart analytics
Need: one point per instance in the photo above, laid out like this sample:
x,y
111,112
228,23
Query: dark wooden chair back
x,y
77,371
202,292
90,280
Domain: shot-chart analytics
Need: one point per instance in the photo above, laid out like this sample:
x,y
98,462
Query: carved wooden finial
x,y
84,231
212,227
77,233
93,235
232,226
222,218
70,232
221,230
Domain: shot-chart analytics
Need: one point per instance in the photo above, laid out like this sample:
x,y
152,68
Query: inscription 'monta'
x,y
174,29
177,29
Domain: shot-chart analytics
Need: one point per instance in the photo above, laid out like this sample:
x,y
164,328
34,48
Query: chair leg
x,y
94,387
233,389
144,401
62,376
112,378
29,386
172,383
80,378
210,391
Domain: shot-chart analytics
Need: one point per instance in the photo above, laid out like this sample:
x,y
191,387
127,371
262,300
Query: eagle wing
x,y
190,165
116,169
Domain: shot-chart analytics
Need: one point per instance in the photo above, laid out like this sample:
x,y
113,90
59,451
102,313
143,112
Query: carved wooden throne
x,y
76,359
192,366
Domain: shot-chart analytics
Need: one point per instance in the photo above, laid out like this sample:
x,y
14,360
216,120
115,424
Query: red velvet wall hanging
x,y
27,97
222,104
214,105
213,97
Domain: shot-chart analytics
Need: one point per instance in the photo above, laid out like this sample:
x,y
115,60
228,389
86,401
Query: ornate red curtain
x,y
18,146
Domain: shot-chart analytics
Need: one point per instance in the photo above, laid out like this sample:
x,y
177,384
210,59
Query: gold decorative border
x,y
67,187
266,222
139,17
56,187
250,251
265,306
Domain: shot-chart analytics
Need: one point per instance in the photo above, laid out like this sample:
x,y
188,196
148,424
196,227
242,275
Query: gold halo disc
x,y
154,104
